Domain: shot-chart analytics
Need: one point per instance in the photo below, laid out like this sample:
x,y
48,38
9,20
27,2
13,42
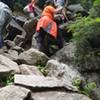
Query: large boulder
x,y
40,82
30,27
61,71
7,66
58,95
75,8
29,70
66,54
14,93
33,57
11,54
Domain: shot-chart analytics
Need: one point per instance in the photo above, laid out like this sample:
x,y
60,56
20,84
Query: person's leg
x,y
39,41
60,40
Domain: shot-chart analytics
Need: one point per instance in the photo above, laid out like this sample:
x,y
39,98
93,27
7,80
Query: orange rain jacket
x,y
46,21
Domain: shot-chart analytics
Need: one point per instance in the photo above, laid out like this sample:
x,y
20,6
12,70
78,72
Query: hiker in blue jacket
x,y
6,7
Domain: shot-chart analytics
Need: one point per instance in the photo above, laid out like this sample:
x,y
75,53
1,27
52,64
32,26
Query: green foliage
x,y
76,82
86,33
95,10
42,69
89,87
7,80
87,4
84,88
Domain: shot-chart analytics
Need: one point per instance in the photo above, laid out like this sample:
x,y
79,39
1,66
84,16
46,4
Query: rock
x,y
20,20
39,82
5,71
58,95
95,94
30,26
14,29
9,44
75,8
7,66
18,49
29,70
66,54
19,39
12,54
33,57
34,43
92,77
3,50
90,63
14,93
61,71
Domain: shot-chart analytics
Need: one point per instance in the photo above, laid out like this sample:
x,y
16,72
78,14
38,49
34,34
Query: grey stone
x,y
7,66
3,50
91,63
30,26
38,82
14,93
21,20
95,94
61,71
58,95
19,39
12,54
16,29
9,44
92,77
34,43
66,54
18,49
75,7
29,70
33,57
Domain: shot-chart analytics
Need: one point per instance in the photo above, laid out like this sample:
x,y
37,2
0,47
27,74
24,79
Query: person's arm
x,y
58,10
26,8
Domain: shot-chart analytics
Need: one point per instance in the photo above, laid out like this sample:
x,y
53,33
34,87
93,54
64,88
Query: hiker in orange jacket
x,y
47,31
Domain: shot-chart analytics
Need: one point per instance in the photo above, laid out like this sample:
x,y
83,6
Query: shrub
x,y
95,10
86,35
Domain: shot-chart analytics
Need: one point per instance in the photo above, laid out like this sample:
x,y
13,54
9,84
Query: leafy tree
x,y
95,11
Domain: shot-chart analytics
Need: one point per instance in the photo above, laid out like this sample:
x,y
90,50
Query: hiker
x,y
32,9
62,4
47,31
6,8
